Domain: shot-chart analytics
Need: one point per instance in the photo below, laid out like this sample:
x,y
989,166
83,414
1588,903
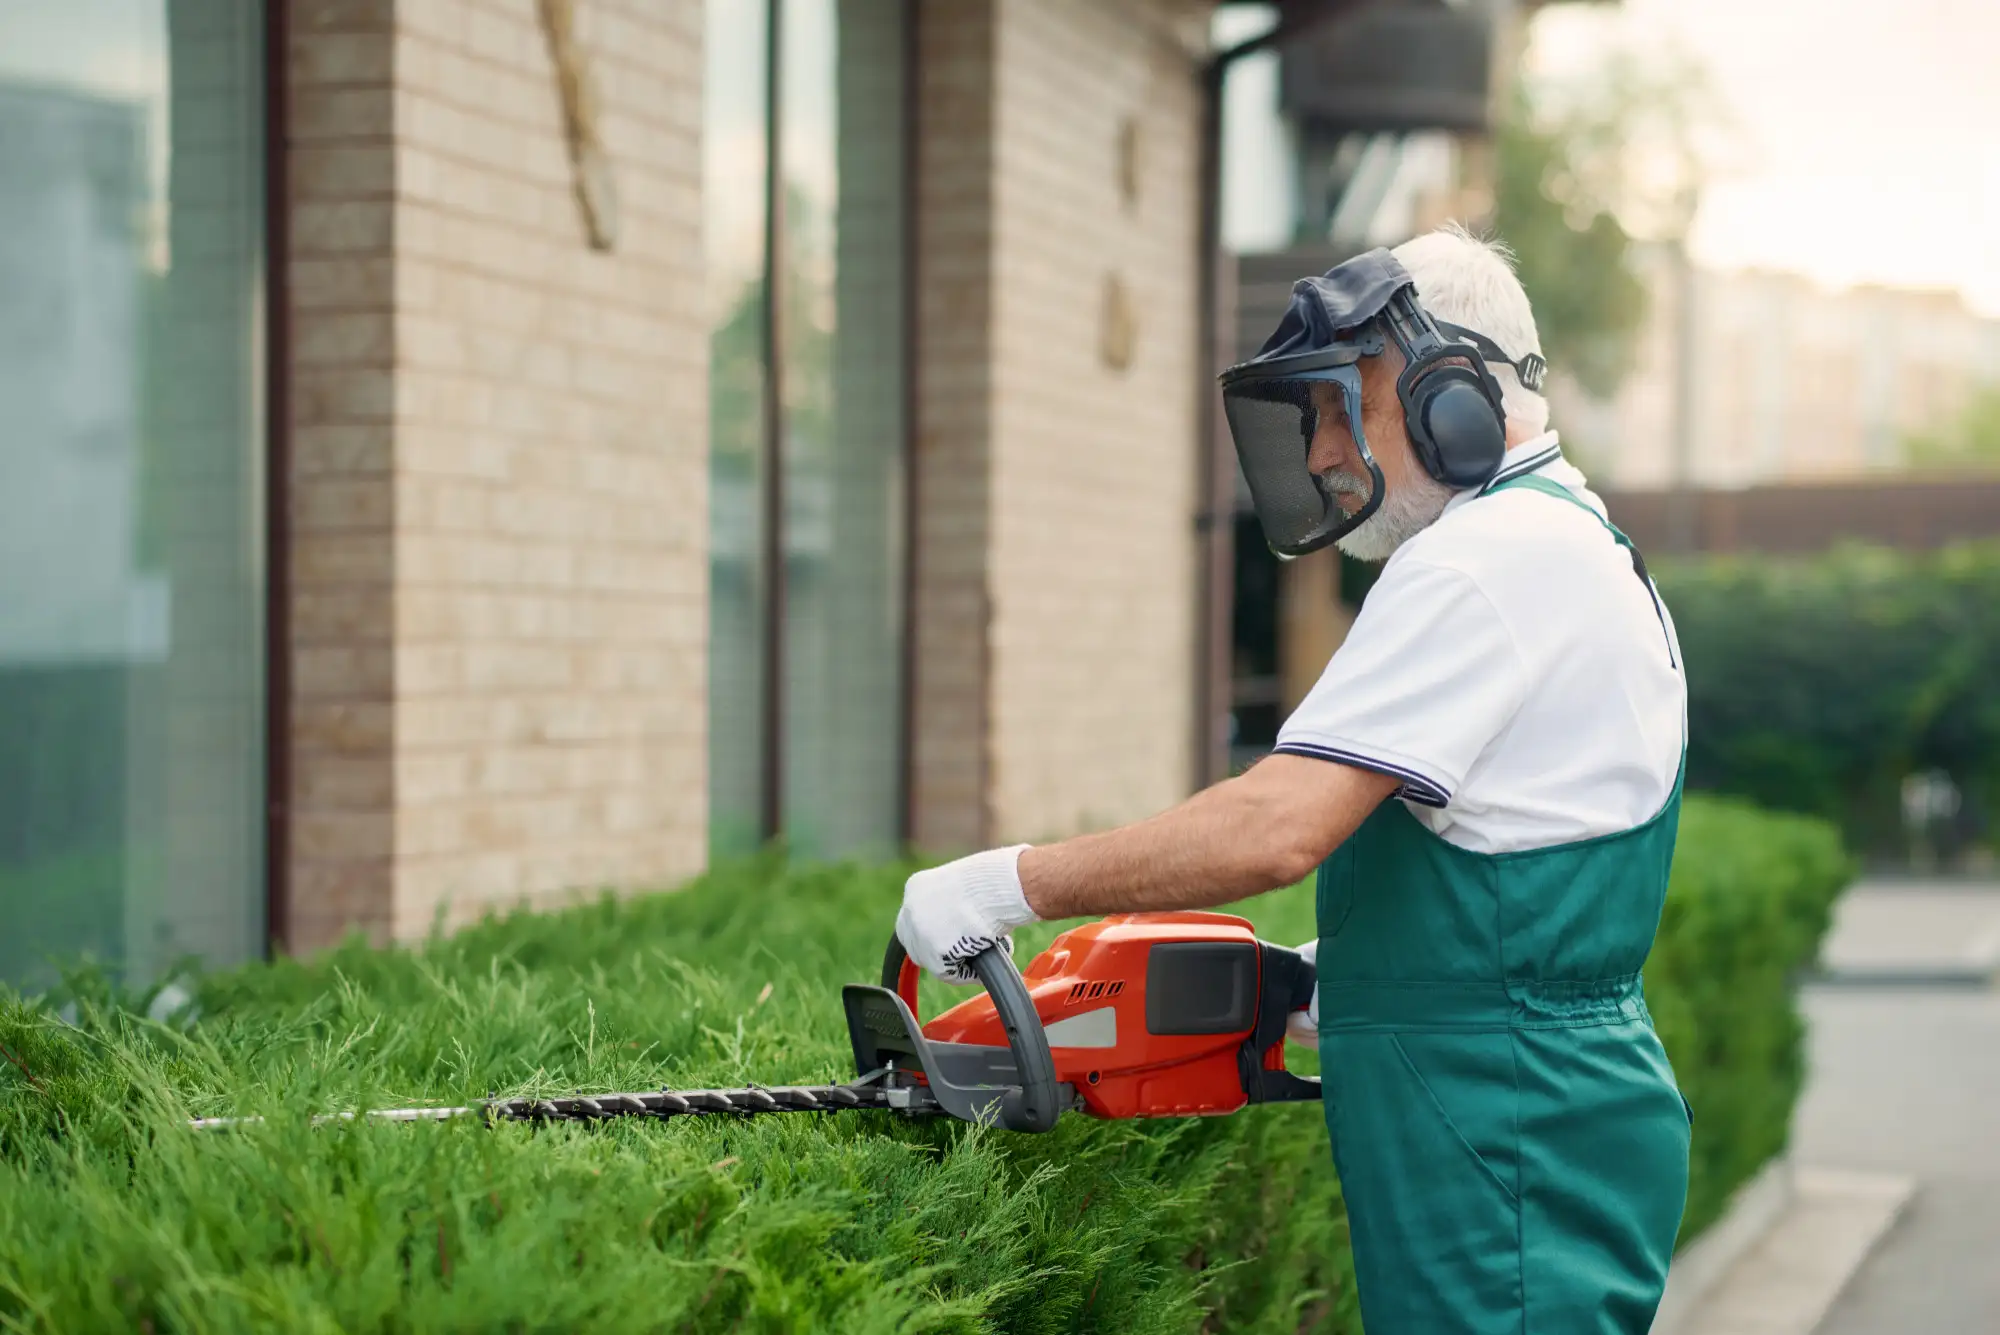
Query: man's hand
x,y
954,912
1302,1026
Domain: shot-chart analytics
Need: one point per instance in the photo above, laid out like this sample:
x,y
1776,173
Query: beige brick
x,y
329,56
328,835
508,36
343,728
340,115
319,285
449,723
340,558
341,612
345,671
428,668
517,665
317,16
444,22
340,227
338,450
432,342
344,338
345,783
424,777
342,395
437,398
433,829
342,172
330,898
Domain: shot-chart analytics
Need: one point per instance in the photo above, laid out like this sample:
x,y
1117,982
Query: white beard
x,y
1406,511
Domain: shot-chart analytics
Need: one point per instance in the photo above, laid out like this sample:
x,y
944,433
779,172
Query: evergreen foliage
x,y
113,1216
1819,685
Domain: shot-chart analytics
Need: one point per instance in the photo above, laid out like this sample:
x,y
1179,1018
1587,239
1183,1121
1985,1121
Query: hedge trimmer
x,y
1135,1015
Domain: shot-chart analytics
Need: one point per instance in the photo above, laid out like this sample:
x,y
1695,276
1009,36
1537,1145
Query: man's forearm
x,y
1262,830
1196,855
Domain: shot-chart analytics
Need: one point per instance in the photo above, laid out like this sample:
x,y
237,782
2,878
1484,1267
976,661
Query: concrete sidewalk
x,y
1894,1228
1902,932
1908,1081
1788,1282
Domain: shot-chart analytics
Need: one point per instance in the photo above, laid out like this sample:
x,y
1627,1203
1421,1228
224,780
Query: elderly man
x,y
1510,1140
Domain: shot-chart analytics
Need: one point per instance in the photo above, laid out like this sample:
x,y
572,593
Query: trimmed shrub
x,y
114,1216
1751,899
1817,685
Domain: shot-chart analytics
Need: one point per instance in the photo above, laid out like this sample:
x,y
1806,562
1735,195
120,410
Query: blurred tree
x,y
1972,439
1585,170
1572,253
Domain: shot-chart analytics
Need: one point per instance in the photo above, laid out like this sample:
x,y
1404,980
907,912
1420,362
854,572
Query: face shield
x,y
1274,410
1331,324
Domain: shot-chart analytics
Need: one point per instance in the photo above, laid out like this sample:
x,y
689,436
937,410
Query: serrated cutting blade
x,y
749,1101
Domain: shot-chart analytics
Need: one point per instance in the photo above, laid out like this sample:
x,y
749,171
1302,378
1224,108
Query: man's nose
x,y
1329,448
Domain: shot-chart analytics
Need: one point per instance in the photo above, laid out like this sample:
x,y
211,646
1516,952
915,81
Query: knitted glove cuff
x,y
992,885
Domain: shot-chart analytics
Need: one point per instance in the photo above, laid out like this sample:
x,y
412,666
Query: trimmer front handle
x,y
971,1083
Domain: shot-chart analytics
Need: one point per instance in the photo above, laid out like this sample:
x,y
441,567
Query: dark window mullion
x,y
772,465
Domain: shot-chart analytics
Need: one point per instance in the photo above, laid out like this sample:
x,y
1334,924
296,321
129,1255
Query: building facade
x,y
467,452
1788,382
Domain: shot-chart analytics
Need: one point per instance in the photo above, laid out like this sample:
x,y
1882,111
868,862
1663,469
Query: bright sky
x,y
1870,132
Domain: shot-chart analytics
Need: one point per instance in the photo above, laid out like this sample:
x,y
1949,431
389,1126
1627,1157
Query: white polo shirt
x,y
1512,670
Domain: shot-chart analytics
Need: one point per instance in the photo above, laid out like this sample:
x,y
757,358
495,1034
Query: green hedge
x,y
1751,898
114,1217
1816,685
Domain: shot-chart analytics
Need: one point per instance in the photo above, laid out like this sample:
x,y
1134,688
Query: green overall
x,y
1510,1140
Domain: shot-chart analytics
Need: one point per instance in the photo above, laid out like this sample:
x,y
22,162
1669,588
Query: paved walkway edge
x,y
1789,1280
1698,1267
1977,975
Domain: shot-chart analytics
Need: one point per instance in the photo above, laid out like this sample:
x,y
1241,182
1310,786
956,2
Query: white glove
x,y
1302,1027
954,912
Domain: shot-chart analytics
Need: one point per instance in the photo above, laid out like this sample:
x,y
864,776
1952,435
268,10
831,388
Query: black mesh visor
x,y
1272,419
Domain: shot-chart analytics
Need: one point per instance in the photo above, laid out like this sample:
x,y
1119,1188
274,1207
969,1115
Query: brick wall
x,y
500,452
1056,549
500,455
955,301
341,288
1093,553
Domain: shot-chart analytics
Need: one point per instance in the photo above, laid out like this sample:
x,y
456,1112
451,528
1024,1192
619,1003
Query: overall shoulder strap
x,y
1549,487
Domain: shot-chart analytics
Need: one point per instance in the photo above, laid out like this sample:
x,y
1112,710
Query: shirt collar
x,y
1543,455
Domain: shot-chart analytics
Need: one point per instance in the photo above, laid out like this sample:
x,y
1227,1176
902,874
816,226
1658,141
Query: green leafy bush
x,y
113,1216
1817,685
1751,898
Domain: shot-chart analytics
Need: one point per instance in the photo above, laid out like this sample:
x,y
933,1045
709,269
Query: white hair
x,y
1470,281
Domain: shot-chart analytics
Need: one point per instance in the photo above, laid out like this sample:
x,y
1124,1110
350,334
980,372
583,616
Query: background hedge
x,y
1751,899
1817,685
112,1216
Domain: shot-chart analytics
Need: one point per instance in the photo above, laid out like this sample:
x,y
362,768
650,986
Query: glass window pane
x,y
735,129
841,369
131,525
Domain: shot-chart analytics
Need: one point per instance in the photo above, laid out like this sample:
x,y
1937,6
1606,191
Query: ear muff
x,y
1451,402
1457,430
